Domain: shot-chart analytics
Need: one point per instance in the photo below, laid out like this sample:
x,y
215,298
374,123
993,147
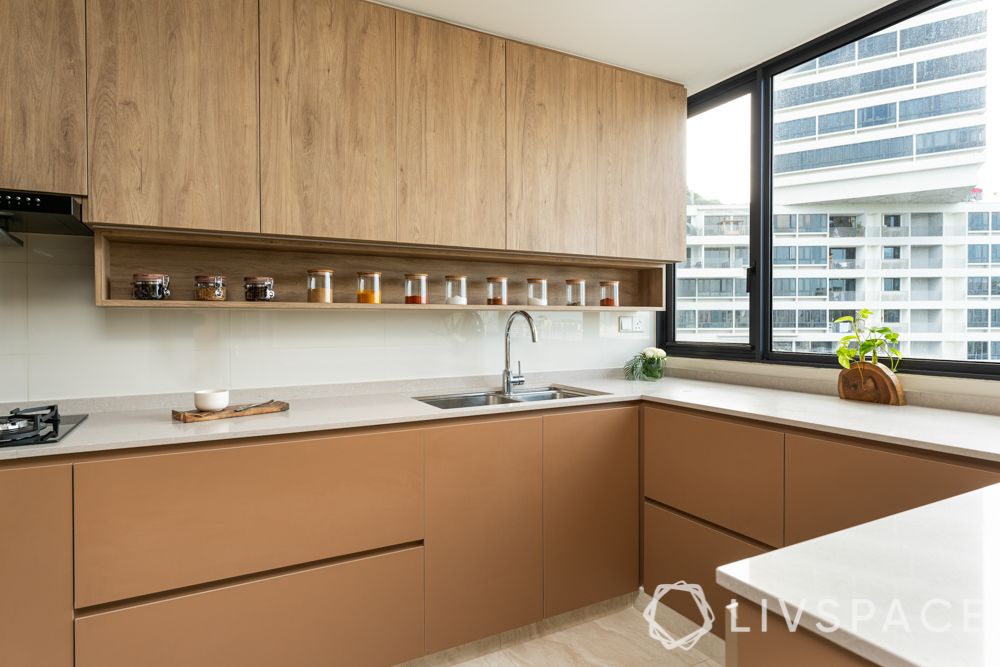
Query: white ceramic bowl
x,y
211,400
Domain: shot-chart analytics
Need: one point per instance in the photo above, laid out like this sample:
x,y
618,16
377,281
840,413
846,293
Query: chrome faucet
x,y
510,380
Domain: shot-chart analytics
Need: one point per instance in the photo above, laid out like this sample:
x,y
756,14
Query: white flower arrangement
x,y
647,365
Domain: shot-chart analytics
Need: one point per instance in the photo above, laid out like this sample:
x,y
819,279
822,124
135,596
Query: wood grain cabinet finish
x,y
364,612
551,152
724,472
450,102
591,495
483,539
641,192
173,114
328,134
36,567
678,548
833,485
156,523
43,116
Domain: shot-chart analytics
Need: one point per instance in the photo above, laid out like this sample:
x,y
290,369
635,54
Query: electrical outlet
x,y
638,325
626,323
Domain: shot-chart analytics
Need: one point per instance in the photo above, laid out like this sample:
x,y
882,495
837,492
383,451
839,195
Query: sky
x,y
718,152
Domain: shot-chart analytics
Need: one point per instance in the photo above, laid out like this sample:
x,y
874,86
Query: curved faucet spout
x,y
511,380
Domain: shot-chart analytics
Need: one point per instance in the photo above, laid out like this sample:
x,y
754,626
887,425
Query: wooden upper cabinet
x,y
172,97
450,128
641,190
43,122
328,136
551,152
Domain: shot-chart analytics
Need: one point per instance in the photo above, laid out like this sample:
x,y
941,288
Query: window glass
x,y
718,214
910,206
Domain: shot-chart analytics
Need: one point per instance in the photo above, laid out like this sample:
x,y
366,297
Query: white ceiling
x,y
694,42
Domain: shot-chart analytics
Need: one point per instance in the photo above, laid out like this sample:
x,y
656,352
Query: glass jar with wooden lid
x,y
150,286
455,293
319,285
210,288
609,293
496,291
576,292
538,292
258,288
369,287
415,288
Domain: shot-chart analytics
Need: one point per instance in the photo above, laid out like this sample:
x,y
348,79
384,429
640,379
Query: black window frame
x,y
758,83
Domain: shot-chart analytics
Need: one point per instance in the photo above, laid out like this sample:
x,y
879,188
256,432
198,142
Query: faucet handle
x,y
519,373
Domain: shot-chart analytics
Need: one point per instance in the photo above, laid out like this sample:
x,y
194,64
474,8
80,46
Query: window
x,y
715,287
874,179
686,288
717,258
715,319
685,319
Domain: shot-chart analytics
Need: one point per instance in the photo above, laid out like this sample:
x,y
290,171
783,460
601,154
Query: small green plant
x,y
864,342
647,365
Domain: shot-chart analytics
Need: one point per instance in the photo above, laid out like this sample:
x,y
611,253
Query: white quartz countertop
x,y
967,434
917,588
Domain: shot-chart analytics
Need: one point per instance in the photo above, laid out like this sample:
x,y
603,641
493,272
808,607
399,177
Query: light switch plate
x,y
625,323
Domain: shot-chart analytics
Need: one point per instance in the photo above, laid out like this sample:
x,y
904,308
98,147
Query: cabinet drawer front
x,y
591,507
361,612
677,548
726,473
834,485
155,523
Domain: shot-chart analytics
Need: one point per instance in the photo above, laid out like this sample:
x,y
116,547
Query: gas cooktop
x,y
34,426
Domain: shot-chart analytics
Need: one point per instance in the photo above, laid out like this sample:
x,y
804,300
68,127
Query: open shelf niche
x,y
123,251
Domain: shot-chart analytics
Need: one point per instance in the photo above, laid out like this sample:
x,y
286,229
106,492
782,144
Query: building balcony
x,y
847,263
900,295
926,263
895,232
925,295
847,232
895,263
851,295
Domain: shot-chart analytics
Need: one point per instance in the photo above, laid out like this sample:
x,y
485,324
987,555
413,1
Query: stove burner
x,y
12,424
28,426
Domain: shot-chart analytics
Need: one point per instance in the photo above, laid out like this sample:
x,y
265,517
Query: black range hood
x,y
40,213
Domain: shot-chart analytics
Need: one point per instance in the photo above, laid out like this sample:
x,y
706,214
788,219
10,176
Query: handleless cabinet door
x,y
484,529
156,523
43,114
641,192
172,99
551,152
591,507
366,612
450,101
36,567
328,135
832,485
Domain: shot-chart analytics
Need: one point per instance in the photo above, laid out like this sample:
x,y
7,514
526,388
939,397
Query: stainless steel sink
x,y
484,398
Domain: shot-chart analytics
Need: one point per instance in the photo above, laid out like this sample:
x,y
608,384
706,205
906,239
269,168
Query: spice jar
x,y
496,291
150,286
538,292
415,288
319,285
609,293
576,292
369,287
455,291
210,288
258,288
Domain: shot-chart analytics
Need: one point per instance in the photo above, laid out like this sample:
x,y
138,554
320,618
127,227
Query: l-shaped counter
x,y
915,588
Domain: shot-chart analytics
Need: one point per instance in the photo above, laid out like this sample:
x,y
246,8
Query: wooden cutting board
x,y
188,416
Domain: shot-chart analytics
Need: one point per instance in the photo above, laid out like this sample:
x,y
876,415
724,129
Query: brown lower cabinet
x,y
36,567
678,548
832,485
367,611
483,534
590,507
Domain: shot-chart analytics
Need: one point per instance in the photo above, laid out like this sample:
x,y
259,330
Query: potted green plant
x,y
647,365
865,377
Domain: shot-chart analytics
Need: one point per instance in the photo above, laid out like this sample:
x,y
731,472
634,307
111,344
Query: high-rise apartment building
x,y
885,196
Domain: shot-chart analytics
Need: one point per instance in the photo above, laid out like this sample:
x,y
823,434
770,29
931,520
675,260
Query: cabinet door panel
x,y
551,152
361,612
172,98
833,485
155,523
677,548
450,97
700,464
36,567
484,530
328,146
641,192
591,506
43,117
